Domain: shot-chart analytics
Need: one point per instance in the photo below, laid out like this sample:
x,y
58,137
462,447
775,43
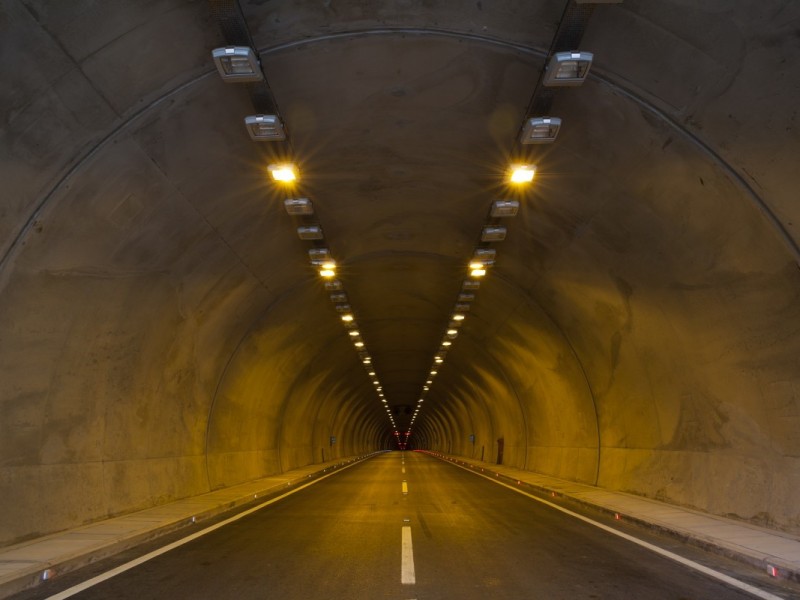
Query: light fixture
x,y
438,360
540,130
265,128
341,297
458,317
310,232
485,255
319,256
342,308
462,297
371,373
359,344
327,273
347,318
477,272
462,307
237,64
384,400
354,333
298,206
433,373
520,174
567,69
447,343
505,208
376,382
470,285
283,173
333,285
493,234
367,360
451,333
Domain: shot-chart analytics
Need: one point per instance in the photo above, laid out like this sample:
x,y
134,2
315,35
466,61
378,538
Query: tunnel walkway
x,y
26,564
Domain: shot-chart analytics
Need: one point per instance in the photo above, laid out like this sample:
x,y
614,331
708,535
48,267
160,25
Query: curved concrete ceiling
x,y
163,333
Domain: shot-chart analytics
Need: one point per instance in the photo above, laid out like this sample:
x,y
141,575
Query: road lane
x,y
350,536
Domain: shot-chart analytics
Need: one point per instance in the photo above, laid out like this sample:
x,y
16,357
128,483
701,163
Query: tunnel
x,y
166,328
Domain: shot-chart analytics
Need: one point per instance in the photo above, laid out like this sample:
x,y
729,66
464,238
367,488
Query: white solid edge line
x,y
759,593
163,550
407,574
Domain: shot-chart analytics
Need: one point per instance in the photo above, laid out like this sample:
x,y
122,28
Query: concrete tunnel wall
x,y
161,334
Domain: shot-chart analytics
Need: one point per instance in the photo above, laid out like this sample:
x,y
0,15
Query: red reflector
x,y
616,516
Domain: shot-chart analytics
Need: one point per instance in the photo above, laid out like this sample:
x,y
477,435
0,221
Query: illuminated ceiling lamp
x,y
237,64
328,271
567,69
285,173
540,130
520,174
265,128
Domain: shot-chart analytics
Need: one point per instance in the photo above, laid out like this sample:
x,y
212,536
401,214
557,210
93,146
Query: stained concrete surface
x,y
162,335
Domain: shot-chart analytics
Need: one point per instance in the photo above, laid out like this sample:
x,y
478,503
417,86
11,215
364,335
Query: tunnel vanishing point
x,y
171,318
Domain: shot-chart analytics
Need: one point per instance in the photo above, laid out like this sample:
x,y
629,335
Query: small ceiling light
x,y
371,373
462,297
540,130
485,255
327,273
359,344
347,318
505,208
310,232
470,285
265,128
476,264
367,360
284,172
447,343
298,206
567,68
319,256
493,234
341,297
458,317
420,401
462,307
384,400
342,308
520,174
354,333
425,387
430,381
376,382
438,360
477,272
237,64
451,333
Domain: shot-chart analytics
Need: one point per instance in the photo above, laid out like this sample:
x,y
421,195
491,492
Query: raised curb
x,y
773,564
25,565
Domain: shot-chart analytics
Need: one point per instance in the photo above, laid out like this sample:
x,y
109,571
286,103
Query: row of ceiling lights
x,y
239,64
565,69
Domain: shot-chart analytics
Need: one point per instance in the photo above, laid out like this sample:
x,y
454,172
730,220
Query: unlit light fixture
x,y
298,206
237,64
540,130
493,234
310,232
265,128
505,208
567,69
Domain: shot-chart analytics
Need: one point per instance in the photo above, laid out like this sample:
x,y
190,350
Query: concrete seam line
x,y
759,593
163,550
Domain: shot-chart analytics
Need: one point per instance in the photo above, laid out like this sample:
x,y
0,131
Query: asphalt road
x,y
452,535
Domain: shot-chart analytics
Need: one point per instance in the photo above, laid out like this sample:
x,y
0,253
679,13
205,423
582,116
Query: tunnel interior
x,y
163,332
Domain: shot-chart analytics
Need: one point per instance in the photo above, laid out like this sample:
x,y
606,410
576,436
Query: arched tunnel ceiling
x,y
643,307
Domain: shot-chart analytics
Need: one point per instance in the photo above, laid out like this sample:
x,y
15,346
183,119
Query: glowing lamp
x,y
283,173
519,174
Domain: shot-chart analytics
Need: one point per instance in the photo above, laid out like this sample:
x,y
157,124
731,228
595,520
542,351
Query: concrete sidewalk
x,y
24,565
775,552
